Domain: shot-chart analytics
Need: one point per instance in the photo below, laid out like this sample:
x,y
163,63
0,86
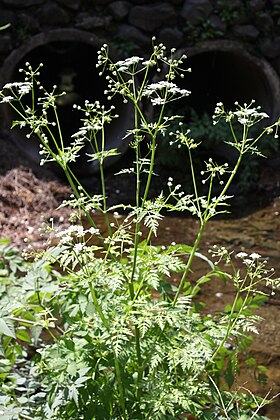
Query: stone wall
x,y
129,25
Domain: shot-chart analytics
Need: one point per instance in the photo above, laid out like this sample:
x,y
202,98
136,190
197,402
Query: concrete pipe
x,y
224,71
69,57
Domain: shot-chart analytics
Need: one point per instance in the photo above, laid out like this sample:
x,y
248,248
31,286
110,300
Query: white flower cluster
x,y
128,64
102,56
17,89
21,87
5,99
163,92
256,267
247,114
249,260
68,235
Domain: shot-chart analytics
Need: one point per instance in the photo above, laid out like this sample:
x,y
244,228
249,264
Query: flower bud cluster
x,y
183,138
213,170
221,253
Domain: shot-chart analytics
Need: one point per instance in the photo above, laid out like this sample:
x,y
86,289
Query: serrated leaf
x,y
81,380
6,329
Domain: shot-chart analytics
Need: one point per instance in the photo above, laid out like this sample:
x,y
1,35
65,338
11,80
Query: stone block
x,y
22,3
119,9
152,17
134,35
88,22
70,4
256,5
171,37
270,47
52,15
248,32
195,11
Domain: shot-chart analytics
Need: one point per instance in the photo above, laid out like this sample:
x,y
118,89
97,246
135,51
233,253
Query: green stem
x,y
137,196
194,185
231,324
203,224
103,188
189,263
148,183
229,181
59,128
220,396
25,417
98,308
102,177
117,365
120,384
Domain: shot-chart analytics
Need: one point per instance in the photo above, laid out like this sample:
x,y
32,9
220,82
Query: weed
x,y
92,328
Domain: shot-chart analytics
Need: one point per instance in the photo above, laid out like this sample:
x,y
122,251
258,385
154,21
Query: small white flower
x,y
241,255
124,65
243,120
78,247
93,231
79,231
255,256
6,99
248,261
66,239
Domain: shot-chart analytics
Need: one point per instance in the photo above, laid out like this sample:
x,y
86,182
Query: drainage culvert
x,y
69,58
221,72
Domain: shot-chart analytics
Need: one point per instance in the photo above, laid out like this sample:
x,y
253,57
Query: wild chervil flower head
x,y
248,114
163,92
19,88
128,64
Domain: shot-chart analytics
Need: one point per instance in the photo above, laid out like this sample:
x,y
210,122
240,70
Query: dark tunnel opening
x,y
221,72
71,65
228,76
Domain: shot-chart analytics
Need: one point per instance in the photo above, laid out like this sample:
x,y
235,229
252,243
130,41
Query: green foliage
x,y
230,12
93,327
203,32
124,47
